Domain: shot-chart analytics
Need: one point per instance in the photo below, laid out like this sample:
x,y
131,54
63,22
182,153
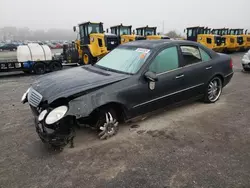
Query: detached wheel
x,y
87,58
107,123
213,90
39,68
55,66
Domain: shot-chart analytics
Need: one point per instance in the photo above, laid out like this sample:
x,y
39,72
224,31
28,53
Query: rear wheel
x,y
39,68
55,66
107,123
213,90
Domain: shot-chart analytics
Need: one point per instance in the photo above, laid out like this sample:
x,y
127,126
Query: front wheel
x,y
213,90
107,123
87,58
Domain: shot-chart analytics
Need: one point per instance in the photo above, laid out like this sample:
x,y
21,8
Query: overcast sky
x,y
176,14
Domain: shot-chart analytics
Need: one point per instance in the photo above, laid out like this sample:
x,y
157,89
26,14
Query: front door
x,y
166,90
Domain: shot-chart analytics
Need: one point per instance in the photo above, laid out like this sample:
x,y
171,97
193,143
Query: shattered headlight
x,y
56,114
23,99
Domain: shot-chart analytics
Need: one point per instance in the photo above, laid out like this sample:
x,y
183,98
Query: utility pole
x,y
163,27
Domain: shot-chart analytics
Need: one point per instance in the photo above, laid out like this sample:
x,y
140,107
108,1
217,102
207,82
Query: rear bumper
x,y
227,78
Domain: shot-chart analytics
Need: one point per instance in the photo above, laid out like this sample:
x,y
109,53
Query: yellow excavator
x,y
125,34
150,33
204,36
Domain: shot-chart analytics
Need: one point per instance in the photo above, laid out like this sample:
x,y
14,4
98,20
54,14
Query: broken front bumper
x,y
58,134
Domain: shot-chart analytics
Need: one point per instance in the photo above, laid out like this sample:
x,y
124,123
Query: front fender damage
x,y
82,106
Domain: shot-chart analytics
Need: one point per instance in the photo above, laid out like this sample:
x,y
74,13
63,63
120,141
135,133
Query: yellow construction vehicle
x,y
243,38
232,42
150,33
203,35
125,34
94,43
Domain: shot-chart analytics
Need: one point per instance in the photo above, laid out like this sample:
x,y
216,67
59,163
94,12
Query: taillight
x,y
231,64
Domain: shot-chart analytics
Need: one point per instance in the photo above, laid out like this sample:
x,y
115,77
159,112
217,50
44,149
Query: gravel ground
x,y
194,145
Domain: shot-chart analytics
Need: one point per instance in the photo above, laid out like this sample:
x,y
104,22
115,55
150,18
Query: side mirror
x,y
107,30
74,28
184,30
150,76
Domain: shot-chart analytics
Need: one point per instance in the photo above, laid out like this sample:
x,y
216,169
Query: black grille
x,y
100,42
240,40
218,40
140,38
111,42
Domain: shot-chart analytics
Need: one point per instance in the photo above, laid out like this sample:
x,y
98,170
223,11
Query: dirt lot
x,y
195,145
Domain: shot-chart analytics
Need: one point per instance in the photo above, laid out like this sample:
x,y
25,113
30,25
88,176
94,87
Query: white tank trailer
x,y
33,58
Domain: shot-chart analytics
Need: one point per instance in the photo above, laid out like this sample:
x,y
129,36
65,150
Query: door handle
x,y
179,76
207,68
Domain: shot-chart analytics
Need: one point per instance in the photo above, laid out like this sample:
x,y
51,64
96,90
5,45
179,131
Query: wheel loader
x,y
150,33
203,35
243,38
125,34
94,43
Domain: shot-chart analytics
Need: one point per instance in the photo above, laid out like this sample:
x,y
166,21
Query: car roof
x,y
157,43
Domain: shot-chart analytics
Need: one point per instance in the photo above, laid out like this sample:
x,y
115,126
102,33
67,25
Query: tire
x,y
39,68
107,127
213,90
246,69
87,58
55,66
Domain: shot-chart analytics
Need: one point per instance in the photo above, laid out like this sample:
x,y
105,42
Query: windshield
x,y
89,28
126,60
125,31
149,31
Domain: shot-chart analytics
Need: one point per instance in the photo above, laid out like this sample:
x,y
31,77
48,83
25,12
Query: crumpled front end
x,y
53,125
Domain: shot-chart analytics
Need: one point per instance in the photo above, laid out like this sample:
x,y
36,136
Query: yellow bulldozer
x,y
93,42
125,34
150,33
204,36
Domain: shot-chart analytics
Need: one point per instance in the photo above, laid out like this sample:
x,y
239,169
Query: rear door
x,y
197,69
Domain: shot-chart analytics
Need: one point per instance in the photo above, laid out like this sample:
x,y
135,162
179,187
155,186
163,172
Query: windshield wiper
x,y
112,70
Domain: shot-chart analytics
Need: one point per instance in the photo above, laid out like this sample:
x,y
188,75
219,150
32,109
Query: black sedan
x,y
133,79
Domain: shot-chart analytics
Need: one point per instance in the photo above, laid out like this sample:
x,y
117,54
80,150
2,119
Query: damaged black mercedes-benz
x,y
133,79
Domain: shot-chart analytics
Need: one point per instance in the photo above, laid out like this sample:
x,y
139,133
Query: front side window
x,y
166,60
126,60
81,29
191,54
190,32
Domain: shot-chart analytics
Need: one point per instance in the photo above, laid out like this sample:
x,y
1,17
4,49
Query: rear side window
x,y
165,61
191,54
204,55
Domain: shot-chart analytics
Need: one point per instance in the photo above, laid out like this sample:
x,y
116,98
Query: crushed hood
x,y
73,81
